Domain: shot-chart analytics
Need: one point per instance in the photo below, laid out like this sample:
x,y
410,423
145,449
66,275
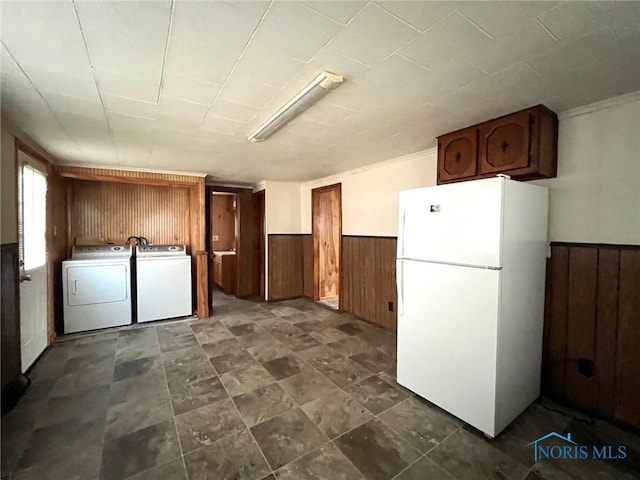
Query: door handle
x,y
25,278
75,287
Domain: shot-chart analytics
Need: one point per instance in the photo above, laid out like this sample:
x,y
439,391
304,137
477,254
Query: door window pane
x,y
34,217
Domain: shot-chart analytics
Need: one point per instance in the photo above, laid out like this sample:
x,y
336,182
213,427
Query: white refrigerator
x,y
470,278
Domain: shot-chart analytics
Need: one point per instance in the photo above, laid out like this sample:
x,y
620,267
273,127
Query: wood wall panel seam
x,y
594,314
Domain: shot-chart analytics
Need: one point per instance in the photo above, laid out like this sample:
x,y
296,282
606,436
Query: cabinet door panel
x,y
505,143
457,154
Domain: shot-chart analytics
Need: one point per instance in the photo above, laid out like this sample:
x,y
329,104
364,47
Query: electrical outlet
x,y
216,238
390,306
585,367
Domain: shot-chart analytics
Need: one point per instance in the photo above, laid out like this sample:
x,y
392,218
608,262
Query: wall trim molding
x,y
595,245
132,169
601,105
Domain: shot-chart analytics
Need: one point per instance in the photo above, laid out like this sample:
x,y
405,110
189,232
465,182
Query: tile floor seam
x,y
106,414
173,413
239,414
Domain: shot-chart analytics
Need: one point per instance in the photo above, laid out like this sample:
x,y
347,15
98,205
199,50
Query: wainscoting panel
x,y
10,315
307,265
285,277
591,358
369,278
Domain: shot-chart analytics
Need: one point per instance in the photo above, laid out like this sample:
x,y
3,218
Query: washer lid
x,y
161,251
100,251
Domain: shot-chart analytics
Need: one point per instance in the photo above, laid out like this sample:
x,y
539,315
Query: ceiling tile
x,y
327,114
75,106
422,15
111,83
248,92
223,125
179,108
64,84
509,18
45,35
272,68
127,106
573,20
451,37
208,37
512,79
372,35
127,123
334,62
295,31
340,11
557,62
127,37
233,111
530,39
189,89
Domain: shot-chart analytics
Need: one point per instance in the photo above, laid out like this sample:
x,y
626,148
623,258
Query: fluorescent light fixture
x,y
318,88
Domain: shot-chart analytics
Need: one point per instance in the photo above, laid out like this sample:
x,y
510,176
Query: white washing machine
x,y
96,284
163,282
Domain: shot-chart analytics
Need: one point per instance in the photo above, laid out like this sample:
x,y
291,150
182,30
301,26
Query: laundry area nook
x,y
327,240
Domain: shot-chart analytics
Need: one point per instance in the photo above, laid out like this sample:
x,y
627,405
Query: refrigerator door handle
x,y
401,233
400,277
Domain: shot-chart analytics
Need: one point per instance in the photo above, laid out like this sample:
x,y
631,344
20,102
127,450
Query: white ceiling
x,y
179,85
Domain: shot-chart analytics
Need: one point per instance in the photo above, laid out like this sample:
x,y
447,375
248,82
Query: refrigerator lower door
x,y
447,338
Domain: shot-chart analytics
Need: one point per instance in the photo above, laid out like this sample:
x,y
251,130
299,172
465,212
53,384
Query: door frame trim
x,y
48,171
314,235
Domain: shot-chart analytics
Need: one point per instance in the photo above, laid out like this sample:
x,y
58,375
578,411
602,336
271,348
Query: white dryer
x,y
96,284
163,282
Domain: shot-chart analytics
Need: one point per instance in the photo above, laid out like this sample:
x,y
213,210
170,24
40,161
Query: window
x,y
33,217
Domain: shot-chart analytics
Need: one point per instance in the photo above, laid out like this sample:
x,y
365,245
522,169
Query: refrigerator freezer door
x,y
447,338
459,223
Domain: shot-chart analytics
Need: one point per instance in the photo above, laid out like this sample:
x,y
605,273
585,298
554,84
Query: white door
x,y
459,223
447,337
32,221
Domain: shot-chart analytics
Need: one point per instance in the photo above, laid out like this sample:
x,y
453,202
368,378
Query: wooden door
x,y
505,143
457,155
326,206
258,243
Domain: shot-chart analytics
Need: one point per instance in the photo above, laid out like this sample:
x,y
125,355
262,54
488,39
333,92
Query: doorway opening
x,y
32,254
229,227
326,213
223,242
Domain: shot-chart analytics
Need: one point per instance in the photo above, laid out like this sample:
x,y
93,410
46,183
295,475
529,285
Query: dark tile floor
x,y
287,390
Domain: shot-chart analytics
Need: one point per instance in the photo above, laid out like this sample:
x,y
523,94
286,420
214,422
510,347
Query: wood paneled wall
x,y
223,222
285,266
165,208
591,353
10,314
115,211
369,278
58,250
307,265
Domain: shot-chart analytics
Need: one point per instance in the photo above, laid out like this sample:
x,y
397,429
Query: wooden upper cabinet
x,y
504,143
522,145
457,155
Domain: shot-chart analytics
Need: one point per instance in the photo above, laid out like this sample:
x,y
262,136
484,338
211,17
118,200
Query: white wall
x,y
8,194
370,194
282,207
596,196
